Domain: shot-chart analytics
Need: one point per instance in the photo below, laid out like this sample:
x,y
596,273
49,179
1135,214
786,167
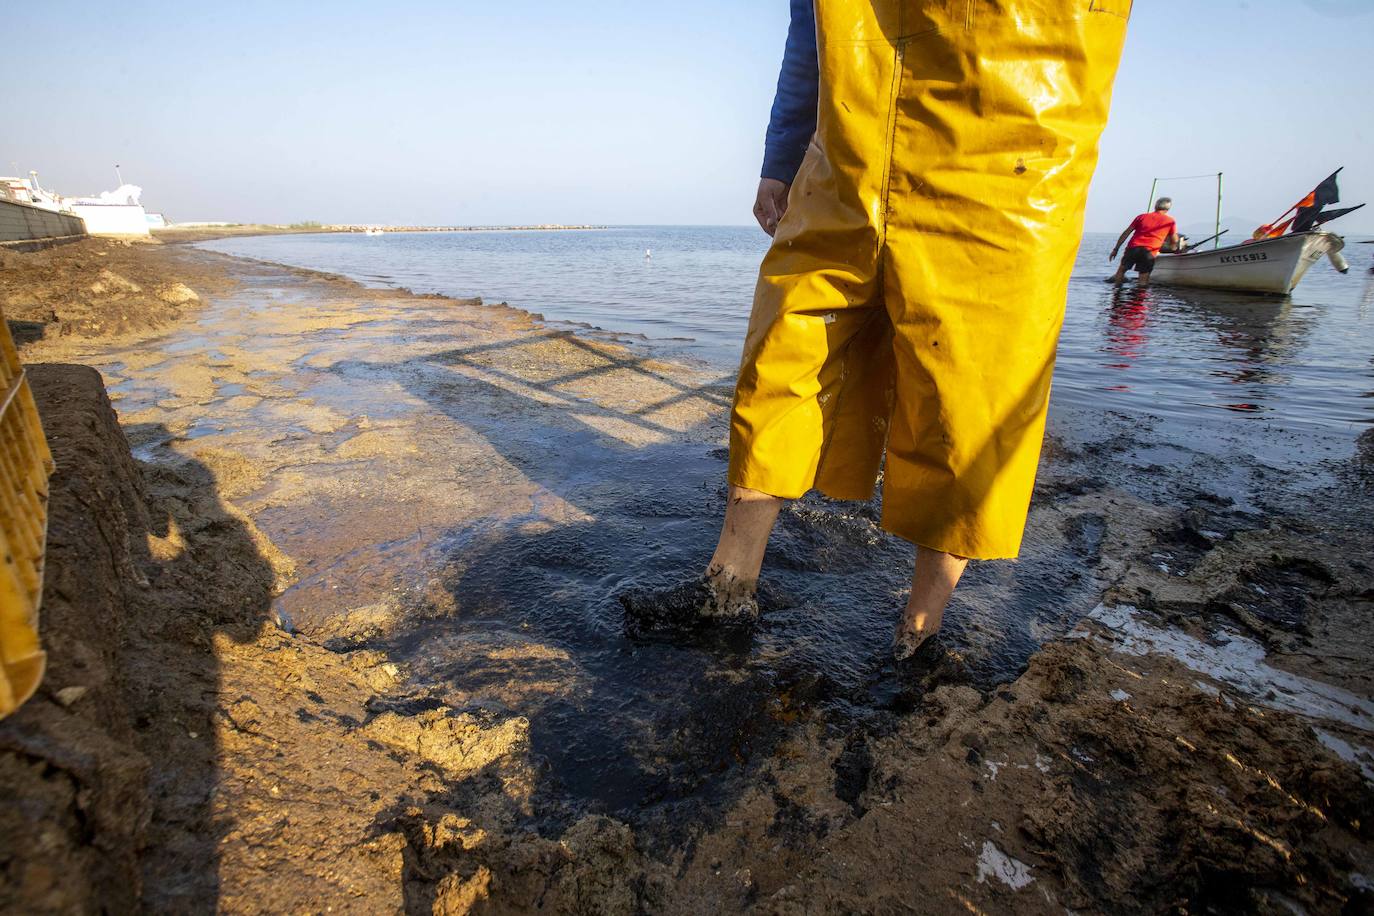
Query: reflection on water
x,y
1250,344
1215,356
1178,353
1127,329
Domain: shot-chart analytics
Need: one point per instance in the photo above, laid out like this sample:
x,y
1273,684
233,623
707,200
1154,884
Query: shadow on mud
x,y
206,576
639,727
109,773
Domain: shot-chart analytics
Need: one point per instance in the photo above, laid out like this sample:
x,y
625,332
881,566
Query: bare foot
x,y
715,599
932,583
731,597
913,631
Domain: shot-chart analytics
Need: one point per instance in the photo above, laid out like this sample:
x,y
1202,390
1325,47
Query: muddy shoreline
x,y
366,599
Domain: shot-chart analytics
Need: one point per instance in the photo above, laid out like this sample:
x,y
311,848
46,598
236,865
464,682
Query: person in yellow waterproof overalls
x,y
925,211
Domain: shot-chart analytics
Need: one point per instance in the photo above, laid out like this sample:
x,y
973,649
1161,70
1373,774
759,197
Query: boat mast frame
x,y
1216,240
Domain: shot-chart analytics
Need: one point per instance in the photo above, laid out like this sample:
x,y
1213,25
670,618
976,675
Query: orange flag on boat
x,y
1271,232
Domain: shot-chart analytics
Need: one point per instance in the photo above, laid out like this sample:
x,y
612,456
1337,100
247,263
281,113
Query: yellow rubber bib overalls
x,y
913,294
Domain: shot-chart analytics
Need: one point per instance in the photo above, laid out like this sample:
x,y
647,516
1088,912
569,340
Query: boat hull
x,y
1270,266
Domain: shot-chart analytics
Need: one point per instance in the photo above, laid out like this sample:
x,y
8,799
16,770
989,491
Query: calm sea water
x,y
1305,362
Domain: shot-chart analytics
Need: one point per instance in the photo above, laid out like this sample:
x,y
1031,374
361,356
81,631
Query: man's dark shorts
x,y
1139,259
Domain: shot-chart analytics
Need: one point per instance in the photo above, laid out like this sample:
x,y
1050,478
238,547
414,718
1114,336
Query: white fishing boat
x,y
1265,266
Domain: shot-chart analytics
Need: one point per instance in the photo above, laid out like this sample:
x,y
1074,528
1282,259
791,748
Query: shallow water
x,y
1301,362
1213,402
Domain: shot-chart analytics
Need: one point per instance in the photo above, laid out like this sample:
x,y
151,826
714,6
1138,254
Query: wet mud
x,y
428,698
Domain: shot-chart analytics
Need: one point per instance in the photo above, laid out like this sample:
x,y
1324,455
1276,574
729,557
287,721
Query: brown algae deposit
x,y
359,646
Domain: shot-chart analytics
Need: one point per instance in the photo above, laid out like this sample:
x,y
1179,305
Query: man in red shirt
x,y
1149,232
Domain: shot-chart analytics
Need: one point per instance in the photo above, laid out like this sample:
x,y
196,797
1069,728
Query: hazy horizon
x,y
611,114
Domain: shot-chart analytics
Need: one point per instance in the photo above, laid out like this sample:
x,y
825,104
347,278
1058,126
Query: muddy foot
x,y
912,632
732,600
665,610
906,644
688,606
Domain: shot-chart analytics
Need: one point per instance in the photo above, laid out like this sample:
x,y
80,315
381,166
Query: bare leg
x,y
1120,275
1143,278
734,569
725,594
931,586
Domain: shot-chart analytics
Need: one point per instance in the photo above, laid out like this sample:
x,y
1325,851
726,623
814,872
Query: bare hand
x,y
770,203
1112,257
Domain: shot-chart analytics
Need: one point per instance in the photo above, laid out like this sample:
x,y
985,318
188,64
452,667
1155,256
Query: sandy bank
x,y
318,620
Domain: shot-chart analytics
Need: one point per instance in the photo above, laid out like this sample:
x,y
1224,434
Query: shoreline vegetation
x,y
277,494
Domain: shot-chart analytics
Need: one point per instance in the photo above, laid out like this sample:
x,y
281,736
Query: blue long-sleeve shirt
x,y
793,119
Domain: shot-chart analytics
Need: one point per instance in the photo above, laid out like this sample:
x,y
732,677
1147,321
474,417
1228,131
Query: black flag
x,y
1329,215
1311,205
1327,192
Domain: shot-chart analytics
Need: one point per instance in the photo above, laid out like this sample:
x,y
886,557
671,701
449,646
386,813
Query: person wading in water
x,y
925,173
1149,232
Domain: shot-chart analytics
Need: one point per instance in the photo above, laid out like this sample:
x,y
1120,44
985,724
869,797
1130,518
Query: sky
x,y
609,111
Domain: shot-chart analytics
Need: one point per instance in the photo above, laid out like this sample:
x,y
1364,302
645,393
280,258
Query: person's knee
x,y
740,494
944,558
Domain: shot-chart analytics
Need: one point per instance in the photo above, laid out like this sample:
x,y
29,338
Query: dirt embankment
x,y
187,753
75,802
101,288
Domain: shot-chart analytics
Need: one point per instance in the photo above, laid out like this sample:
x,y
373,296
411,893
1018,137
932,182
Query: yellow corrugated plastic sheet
x,y
25,465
